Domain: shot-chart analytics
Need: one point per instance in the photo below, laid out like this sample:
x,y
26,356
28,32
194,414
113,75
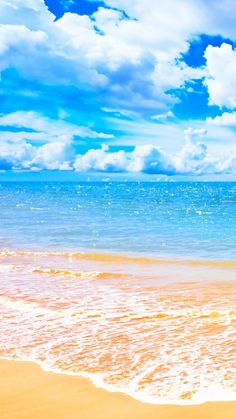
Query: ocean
x,y
131,284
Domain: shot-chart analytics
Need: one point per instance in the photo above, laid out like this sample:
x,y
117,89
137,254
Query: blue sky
x,y
112,90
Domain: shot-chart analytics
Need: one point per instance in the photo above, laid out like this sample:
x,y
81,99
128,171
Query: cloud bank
x,y
122,51
19,153
192,159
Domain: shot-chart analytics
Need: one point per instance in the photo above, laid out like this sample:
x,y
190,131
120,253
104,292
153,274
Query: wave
x,y
119,258
21,304
69,273
61,272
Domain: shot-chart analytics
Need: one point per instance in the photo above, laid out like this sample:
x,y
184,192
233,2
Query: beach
x,y
26,391
151,333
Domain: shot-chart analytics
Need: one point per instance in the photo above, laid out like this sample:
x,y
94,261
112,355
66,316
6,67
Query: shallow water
x,y
162,331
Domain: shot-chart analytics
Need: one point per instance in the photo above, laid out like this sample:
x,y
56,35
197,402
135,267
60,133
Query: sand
x,y
28,392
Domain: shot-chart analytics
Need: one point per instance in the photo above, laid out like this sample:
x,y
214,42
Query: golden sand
x,y
27,392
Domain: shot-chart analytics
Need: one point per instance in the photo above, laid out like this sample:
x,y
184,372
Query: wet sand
x,y
28,392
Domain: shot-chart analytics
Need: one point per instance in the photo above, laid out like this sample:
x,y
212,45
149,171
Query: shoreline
x,y
100,255
98,384
27,391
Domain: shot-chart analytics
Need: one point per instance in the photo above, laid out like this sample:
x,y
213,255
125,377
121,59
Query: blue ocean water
x,y
194,219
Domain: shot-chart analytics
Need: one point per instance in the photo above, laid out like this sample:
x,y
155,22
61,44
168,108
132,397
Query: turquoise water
x,y
162,219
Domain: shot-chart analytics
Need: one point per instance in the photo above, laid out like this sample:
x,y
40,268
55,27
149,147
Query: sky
x,y
134,89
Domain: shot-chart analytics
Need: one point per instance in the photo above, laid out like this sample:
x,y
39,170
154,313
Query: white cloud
x,y
163,116
14,155
132,66
144,159
183,16
150,159
108,40
192,159
18,153
227,165
47,129
19,36
221,82
53,156
169,75
191,134
226,119
21,155
101,161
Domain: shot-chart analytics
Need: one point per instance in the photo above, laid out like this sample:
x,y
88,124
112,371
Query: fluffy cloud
x,y
226,119
221,82
24,156
143,159
53,156
192,159
150,159
110,51
19,36
191,134
101,161
15,155
186,17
